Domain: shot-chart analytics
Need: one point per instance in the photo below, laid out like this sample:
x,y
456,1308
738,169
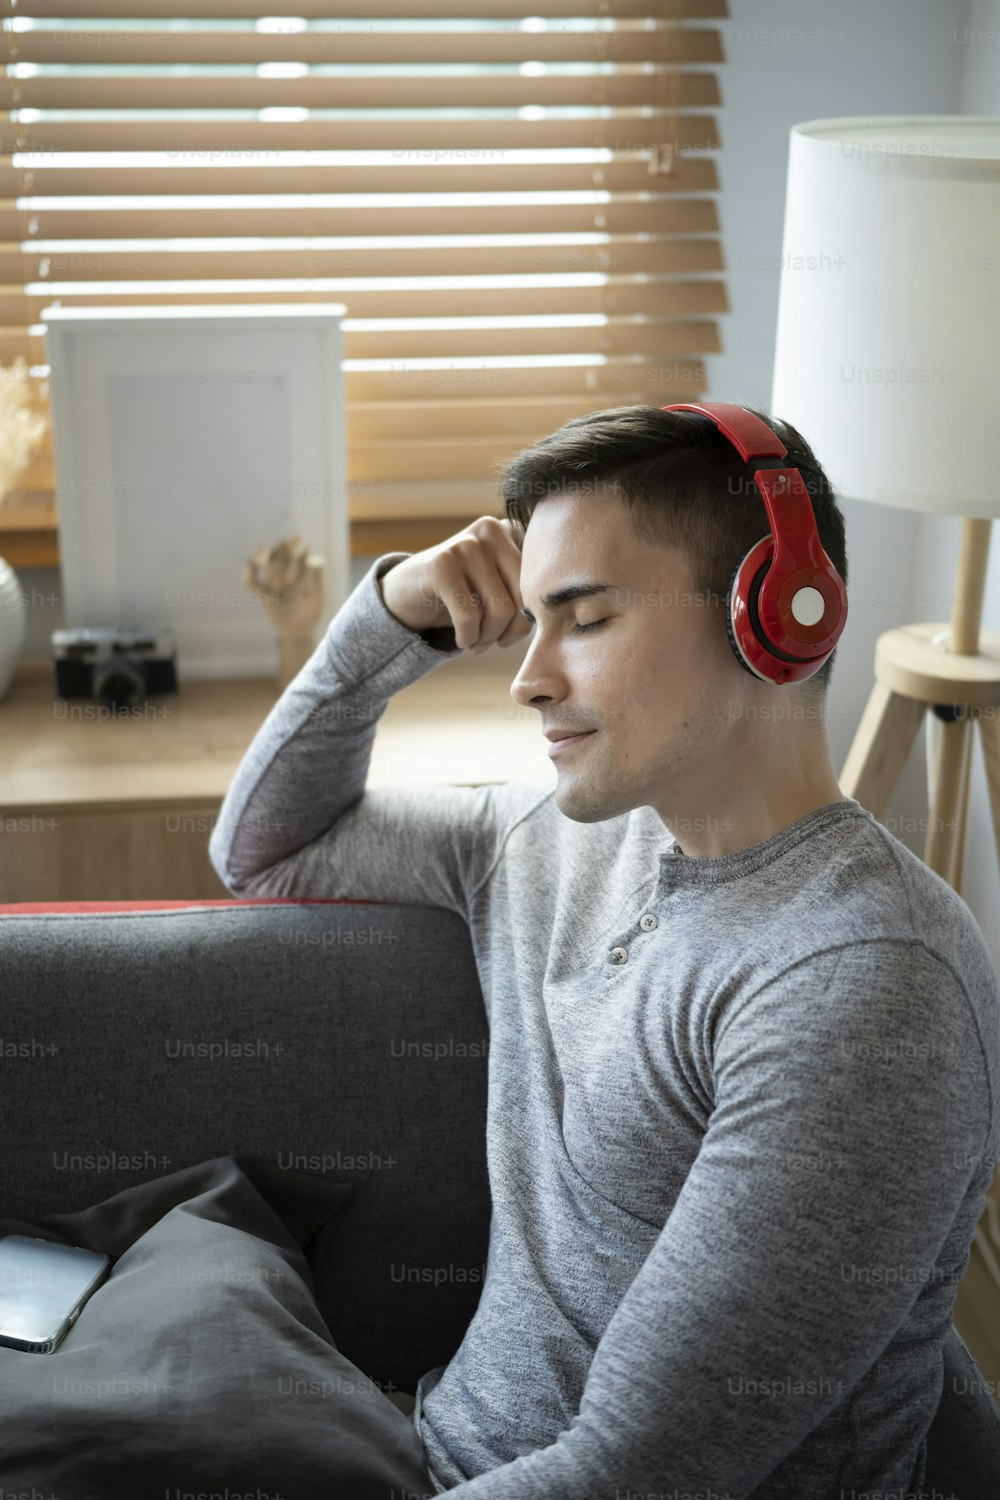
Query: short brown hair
x,y
684,485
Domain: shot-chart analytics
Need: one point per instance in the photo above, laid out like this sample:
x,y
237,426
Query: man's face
x,y
656,682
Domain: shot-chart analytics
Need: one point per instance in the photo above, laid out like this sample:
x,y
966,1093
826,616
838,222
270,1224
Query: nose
x,y
536,681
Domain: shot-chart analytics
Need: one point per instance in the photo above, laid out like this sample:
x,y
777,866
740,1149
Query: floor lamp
x,y
888,332
886,360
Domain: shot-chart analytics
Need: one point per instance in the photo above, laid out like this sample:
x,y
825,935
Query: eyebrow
x,y
564,596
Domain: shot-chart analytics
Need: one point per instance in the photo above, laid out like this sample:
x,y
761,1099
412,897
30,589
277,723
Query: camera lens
x,y
118,684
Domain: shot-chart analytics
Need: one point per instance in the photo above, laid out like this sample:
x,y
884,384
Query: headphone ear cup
x,y
729,622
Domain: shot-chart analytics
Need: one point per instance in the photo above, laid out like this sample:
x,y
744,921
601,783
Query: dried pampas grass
x,y
22,426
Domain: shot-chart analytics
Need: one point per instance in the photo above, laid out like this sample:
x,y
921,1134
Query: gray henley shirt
x,y
742,1112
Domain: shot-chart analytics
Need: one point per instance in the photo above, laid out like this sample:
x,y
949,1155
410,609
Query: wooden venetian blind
x,y
516,204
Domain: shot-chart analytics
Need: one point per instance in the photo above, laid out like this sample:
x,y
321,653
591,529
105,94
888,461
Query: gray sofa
x,y
343,1037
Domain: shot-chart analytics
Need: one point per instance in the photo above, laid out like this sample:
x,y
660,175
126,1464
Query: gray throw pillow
x,y
202,1363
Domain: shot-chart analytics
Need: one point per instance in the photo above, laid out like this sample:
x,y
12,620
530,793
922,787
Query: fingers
x,y
475,579
509,564
455,586
494,571
515,627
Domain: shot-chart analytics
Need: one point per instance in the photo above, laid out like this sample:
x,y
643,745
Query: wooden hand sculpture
x,y
290,581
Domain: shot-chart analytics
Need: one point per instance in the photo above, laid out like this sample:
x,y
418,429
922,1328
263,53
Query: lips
x,y
568,742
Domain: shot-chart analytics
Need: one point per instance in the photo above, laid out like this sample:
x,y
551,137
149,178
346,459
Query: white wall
x,y
793,60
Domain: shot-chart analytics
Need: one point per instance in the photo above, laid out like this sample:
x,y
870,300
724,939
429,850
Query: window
x,y
517,208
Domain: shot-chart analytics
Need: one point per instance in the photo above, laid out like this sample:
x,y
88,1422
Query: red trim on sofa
x,y
39,908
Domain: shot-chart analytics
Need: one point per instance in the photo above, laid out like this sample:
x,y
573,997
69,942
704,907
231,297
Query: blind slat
x,y
690,174
472,91
404,462
621,380
656,216
665,299
616,257
397,500
168,48
393,10
624,130
446,419
667,339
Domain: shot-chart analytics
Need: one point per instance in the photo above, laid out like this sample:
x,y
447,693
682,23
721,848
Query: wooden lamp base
x,y
955,671
912,674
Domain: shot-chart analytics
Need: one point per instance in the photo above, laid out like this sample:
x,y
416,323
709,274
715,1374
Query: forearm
x,y
309,761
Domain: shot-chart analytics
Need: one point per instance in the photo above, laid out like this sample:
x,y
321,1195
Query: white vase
x,y
13,624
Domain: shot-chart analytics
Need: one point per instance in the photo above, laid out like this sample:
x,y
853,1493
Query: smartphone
x,y
43,1286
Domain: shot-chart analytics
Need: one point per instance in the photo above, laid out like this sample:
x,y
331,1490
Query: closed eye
x,y
592,626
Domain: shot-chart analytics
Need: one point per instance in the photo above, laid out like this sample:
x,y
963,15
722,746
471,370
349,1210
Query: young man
x,y
745,1046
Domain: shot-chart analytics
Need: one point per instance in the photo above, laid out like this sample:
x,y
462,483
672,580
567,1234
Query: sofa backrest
x,y
340,1037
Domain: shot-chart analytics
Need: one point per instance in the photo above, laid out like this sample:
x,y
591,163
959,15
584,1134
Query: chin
x,y
584,803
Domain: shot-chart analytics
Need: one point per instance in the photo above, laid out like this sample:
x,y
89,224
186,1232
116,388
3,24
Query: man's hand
x,y
470,581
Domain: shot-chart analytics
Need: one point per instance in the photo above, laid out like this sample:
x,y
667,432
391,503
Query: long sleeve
x,y
297,819
847,1127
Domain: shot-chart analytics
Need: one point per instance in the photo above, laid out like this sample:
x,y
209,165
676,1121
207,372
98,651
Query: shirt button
x,y
647,922
619,955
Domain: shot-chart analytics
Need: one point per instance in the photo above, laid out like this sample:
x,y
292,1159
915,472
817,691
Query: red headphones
x,y
787,605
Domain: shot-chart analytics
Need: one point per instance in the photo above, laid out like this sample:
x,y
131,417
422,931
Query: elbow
x,y
218,854
219,850
269,881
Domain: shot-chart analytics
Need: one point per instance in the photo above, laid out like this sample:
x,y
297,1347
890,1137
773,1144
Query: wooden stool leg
x,y
989,727
881,745
958,863
941,842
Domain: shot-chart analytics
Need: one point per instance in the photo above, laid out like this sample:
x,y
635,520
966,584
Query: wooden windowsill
x,y
458,725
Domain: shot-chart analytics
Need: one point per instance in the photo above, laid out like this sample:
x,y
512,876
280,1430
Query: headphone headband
x,y
751,437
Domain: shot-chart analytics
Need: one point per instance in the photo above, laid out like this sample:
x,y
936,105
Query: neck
x,y
731,812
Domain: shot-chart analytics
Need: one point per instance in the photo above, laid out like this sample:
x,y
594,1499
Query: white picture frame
x,y
184,438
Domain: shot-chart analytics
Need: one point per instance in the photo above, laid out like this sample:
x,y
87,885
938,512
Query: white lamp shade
x,y
888,335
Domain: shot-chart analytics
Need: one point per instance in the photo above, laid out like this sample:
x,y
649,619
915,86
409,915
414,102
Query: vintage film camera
x,y
118,667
